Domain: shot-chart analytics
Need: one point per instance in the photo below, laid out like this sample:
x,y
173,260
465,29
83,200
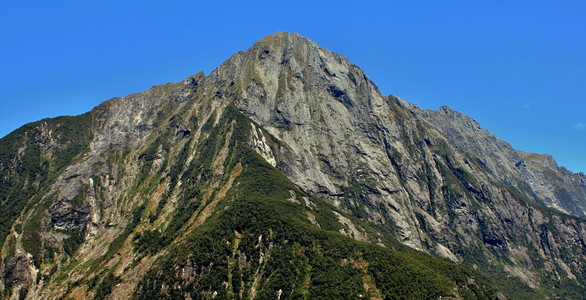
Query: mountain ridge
x,y
310,132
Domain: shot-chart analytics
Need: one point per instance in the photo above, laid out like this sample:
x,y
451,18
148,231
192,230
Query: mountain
x,y
283,174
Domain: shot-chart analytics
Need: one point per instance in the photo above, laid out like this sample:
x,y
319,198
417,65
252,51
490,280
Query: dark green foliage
x,y
75,133
326,217
106,286
14,191
209,124
296,252
150,242
22,294
31,238
18,228
72,243
150,153
185,210
78,199
31,242
116,244
355,196
179,164
147,158
136,216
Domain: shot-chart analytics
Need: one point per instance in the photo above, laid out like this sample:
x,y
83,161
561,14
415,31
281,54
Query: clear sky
x,y
517,67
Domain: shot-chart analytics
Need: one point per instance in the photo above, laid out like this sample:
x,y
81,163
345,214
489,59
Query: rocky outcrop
x,y
536,175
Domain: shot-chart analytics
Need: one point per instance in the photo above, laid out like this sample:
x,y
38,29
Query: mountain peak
x,y
282,38
281,46
283,71
243,180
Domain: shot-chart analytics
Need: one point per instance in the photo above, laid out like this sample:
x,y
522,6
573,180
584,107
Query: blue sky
x,y
517,67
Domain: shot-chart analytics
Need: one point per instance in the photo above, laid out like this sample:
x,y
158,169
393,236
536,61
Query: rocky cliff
x,y
283,174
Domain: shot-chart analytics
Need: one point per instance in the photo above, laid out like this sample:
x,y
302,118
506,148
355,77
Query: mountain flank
x,y
284,174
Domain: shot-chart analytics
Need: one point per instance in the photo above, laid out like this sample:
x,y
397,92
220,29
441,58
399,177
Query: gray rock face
x,y
312,99
436,179
536,175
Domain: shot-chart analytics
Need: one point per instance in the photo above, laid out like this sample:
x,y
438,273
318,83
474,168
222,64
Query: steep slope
x,y
283,174
391,164
536,175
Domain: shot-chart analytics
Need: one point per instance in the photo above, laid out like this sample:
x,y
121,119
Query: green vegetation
x,y
120,238
72,243
150,242
106,286
26,167
300,259
31,238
